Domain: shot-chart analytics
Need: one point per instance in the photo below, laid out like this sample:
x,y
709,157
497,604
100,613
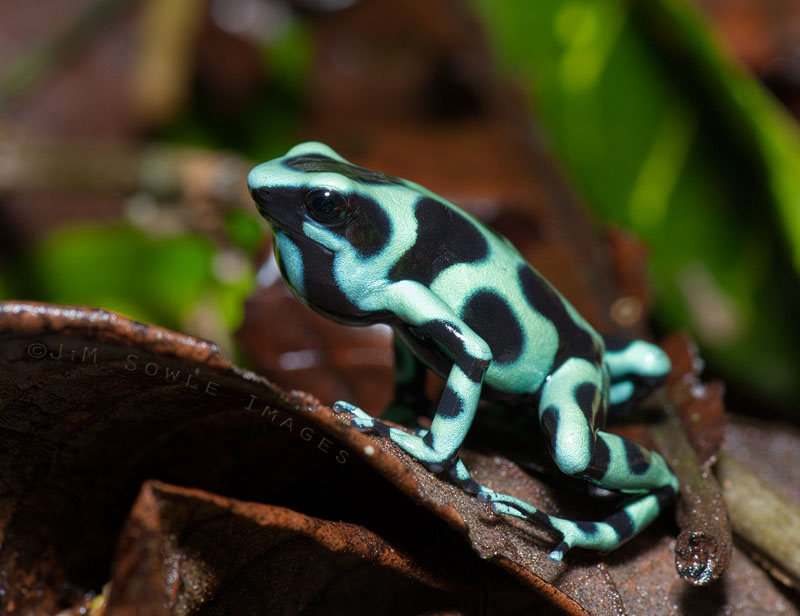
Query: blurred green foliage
x,y
664,135
118,267
658,130
184,280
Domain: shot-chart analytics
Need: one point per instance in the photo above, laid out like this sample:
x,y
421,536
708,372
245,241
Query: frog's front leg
x,y
418,307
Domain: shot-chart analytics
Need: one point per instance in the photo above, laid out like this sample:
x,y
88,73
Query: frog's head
x,y
321,202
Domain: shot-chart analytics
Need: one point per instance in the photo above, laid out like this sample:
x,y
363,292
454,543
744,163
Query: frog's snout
x,y
262,197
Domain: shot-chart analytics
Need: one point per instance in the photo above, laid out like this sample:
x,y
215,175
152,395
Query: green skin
x,y
363,247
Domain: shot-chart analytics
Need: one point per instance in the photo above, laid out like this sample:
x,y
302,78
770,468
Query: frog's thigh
x,y
568,411
570,408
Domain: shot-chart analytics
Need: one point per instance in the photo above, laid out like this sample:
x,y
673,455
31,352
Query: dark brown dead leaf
x,y
82,431
94,404
193,552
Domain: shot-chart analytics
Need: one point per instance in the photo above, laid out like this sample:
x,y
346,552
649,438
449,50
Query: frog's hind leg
x,y
603,535
635,369
571,409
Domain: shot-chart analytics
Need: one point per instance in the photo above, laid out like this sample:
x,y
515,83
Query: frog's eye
x,y
325,204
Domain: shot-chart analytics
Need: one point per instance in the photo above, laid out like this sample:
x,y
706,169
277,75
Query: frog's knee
x,y
571,447
636,357
654,361
573,463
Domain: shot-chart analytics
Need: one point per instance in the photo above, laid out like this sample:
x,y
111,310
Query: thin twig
x,y
695,411
703,548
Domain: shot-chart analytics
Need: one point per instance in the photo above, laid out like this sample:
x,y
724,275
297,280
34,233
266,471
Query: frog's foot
x,y
414,443
604,535
607,534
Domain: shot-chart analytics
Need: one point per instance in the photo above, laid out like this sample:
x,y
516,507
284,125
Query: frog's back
x,y
347,235
529,326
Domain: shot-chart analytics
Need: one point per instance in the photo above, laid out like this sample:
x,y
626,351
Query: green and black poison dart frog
x,y
362,247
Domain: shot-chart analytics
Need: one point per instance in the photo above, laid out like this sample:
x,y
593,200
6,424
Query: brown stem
x,y
703,548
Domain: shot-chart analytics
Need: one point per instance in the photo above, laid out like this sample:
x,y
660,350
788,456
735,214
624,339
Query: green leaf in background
x,y
183,282
663,135
246,230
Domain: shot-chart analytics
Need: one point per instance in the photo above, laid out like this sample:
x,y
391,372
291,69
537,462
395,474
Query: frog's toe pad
x,y
558,553
345,407
362,424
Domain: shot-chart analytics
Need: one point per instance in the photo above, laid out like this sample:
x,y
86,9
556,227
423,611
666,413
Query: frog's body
x,y
362,247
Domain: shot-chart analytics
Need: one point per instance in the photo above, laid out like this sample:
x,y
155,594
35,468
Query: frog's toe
x,y
571,536
558,553
344,407
362,424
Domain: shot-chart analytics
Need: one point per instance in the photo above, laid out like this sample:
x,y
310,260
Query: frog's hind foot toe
x,y
558,553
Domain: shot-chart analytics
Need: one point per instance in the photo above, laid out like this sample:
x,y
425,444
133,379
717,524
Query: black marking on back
x,y
574,340
490,316
445,237
450,404
319,163
637,463
585,396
